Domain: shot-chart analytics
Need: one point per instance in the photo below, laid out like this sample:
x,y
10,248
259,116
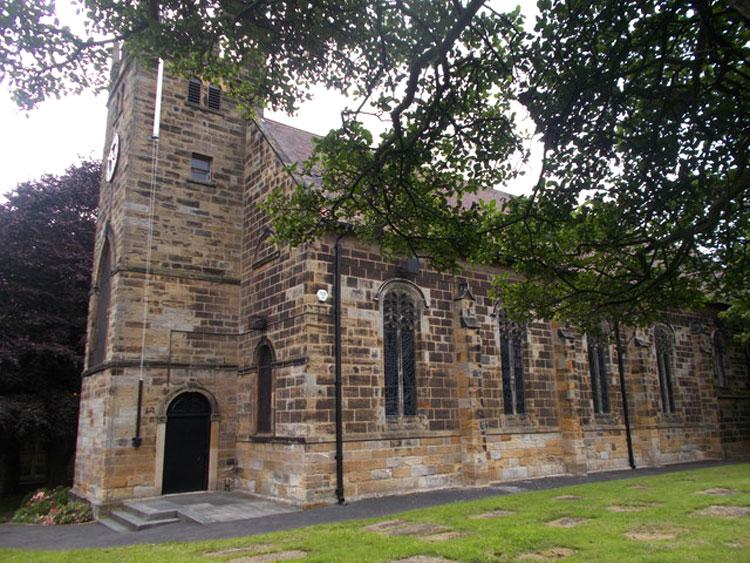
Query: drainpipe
x,y
137,440
624,395
337,370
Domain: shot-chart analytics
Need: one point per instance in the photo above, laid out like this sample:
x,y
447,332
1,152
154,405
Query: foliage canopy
x,y
642,106
46,241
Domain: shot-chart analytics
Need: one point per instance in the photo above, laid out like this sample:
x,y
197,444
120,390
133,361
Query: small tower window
x,y
194,91
214,97
210,97
200,168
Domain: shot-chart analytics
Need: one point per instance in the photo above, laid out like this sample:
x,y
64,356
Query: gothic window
x,y
512,338
200,168
720,351
101,328
597,352
664,341
265,390
399,328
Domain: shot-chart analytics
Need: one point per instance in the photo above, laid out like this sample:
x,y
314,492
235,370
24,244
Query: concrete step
x,y
148,512
114,526
135,522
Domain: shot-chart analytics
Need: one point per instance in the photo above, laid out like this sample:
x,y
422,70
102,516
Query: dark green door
x,y
187,444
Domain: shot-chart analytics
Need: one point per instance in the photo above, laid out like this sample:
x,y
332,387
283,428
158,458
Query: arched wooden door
x,y
187,444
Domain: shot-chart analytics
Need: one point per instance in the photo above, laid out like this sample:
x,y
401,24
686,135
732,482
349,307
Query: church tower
x,y
162,333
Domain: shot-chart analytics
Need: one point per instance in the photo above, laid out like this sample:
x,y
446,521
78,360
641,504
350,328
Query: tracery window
x,y
399,330
597,352
720,351
664,342
512,338
265,390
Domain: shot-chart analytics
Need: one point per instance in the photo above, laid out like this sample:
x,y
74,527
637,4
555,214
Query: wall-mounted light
x,y
322,295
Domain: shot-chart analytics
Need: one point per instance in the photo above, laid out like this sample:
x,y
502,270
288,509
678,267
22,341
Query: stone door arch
x,y
187,444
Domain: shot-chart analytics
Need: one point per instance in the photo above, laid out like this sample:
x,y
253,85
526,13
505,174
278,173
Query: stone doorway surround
x,y
161,435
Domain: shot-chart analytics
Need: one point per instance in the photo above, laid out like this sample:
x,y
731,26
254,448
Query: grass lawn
x,y
699,515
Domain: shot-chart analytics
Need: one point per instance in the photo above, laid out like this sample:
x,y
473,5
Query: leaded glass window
x,y
512,338
664,341
597,353
399,326
101,328
265,390
720,350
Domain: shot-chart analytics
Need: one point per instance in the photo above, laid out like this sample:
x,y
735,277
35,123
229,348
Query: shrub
x,y
52,508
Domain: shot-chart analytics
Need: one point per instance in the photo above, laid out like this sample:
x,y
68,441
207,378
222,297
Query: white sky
x,y
60,133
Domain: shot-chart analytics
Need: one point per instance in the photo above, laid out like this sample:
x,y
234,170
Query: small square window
x,y
200,168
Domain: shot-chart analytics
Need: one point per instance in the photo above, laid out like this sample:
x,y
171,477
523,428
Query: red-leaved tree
x,y
46,243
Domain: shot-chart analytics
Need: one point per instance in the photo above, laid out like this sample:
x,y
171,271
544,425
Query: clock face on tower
x,y
114,153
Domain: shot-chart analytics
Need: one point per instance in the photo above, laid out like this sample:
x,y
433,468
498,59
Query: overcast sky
x,y
61,132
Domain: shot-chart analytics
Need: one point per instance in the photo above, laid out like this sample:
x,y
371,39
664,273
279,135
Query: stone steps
x,y
134,517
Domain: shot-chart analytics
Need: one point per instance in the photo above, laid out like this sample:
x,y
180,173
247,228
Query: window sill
x,y
271,439
200,182
203,108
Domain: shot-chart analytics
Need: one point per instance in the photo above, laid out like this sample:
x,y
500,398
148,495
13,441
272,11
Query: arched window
x,y
101,326
720,351
597,353
399,328
512,339
664,342
265,390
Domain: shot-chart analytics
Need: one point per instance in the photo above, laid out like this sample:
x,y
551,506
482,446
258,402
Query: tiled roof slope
x,y
295,145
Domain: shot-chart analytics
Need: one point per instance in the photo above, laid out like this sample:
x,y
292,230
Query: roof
x,y
291,144
294,145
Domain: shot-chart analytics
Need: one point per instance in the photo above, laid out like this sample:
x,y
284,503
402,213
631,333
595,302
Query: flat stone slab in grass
x,y
385,525
724,511
547,554
422,559
443,536
423,529
491,514
567,522
237,550
626,508
569,497
639,487
656,534
719,492
271,557
740,542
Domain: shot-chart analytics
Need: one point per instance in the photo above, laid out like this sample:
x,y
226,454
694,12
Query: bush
x,y
52,508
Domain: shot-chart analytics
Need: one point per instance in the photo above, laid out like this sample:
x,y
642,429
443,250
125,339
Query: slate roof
x,y
295,145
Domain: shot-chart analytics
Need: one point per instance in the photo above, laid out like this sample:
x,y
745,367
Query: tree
x,y
642,106
46,243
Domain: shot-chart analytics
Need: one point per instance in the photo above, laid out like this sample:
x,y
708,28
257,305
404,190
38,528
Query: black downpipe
x,y
624,394
137,440
337,368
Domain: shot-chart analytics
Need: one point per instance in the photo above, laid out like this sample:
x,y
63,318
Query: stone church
x,y
217,360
